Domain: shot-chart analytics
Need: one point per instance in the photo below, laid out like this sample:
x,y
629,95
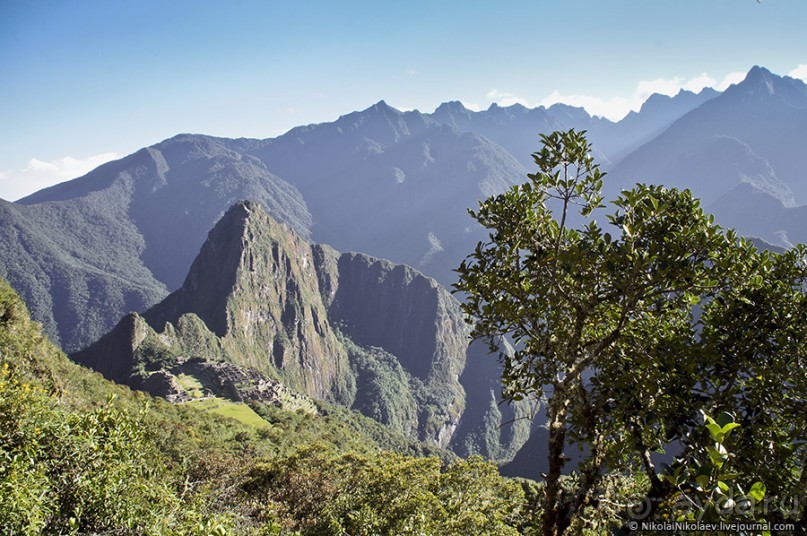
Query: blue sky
x,y
90,80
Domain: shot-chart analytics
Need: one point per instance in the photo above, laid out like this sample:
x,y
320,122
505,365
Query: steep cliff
x,y
347,328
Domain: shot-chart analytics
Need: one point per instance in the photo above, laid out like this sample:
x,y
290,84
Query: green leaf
x,y
717,458
757,491
715,431
726,430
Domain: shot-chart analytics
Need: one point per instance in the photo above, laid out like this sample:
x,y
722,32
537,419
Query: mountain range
x,y
392,185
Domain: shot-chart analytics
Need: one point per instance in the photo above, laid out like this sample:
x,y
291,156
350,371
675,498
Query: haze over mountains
x,y
393,185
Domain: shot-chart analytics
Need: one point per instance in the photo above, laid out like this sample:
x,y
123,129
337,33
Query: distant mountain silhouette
x,y
516,128
764,117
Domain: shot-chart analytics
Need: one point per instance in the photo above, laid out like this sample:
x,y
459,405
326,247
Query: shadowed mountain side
x,y
531,460
637,128
489,426
755,212
711,170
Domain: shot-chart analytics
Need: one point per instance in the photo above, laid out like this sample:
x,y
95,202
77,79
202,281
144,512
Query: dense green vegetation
x,y
638,339
79,454
76,265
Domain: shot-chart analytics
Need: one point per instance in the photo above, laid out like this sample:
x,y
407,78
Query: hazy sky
x,y
85,81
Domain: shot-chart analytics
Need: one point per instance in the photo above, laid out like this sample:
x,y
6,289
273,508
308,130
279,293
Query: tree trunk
x,y
591,477
553,494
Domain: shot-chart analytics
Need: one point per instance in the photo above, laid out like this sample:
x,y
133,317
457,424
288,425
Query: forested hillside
x,y
81,454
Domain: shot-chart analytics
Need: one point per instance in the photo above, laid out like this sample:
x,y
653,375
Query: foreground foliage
x,y
81,455
633,338
315,491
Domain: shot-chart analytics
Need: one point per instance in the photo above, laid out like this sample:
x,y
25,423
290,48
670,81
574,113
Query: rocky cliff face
x,y
347,328
254,287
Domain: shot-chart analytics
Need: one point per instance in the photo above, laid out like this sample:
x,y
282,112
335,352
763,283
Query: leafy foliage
x,y
76,265
317,491
630,337
707,486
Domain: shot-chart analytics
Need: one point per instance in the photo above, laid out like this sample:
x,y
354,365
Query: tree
x,y
605,328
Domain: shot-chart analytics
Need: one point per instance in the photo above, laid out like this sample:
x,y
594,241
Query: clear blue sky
x,y
95,78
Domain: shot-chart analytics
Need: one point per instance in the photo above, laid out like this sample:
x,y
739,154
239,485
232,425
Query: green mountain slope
x,y
345,328
75,265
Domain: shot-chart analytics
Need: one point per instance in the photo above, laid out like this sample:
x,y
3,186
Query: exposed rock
x,y
260,302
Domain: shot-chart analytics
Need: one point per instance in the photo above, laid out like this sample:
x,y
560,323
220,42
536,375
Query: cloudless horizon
x,y
86,82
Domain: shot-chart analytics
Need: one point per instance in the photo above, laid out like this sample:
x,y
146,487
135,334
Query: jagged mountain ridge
x,y
516,127
338,327
764,114
174,191
393,184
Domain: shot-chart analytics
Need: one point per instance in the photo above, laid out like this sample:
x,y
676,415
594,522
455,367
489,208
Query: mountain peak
x,y
239,213
759,76
382,106
453,113
758,71
658,102
760,83
260,298
451,107
244,234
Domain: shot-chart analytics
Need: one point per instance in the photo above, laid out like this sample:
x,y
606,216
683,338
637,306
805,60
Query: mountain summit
x,y
348,328
760,83
744,135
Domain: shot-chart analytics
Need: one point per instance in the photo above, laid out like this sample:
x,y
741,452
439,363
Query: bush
x,y
317,491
